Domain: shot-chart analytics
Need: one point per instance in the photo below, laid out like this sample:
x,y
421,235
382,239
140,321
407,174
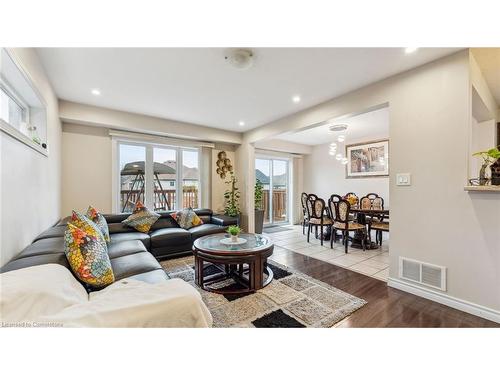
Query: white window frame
x,y
149,176
11,129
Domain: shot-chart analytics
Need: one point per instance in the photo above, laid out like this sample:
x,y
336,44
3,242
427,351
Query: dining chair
x,y
315,212
334,198
342,221
380,225
303,200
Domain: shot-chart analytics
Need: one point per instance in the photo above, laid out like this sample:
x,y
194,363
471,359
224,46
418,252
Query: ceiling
x,y
370,125
488,60
197,85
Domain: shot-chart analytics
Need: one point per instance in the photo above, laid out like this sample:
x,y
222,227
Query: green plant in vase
x,y
489,157
259,206
232,197
234,231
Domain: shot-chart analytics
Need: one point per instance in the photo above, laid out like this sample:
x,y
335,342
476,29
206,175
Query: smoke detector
x,y
338,127
240,58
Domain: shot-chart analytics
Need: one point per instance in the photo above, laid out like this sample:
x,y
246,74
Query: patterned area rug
x,y
292,299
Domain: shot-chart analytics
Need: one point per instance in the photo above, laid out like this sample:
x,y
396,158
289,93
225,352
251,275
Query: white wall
x,y
324,176
434,220
86,169
30,182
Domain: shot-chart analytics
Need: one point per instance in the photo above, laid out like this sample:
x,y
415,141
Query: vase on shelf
x,y
495,172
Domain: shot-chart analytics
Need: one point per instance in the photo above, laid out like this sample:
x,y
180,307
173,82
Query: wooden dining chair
x,y
343,223
381,225
334,198
315,212
303,201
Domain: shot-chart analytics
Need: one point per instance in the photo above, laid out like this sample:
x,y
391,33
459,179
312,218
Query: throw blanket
x,y
48,295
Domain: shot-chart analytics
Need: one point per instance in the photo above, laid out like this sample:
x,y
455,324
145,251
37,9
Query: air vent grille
x,y
422,273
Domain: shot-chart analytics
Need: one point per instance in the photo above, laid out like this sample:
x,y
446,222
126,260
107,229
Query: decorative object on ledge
x,y
224,165
232,197
369,159
491,158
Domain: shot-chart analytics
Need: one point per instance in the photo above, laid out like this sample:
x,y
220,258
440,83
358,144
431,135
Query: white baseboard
x,y
456,303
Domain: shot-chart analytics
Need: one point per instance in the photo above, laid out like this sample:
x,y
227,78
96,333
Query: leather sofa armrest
x,y
224,220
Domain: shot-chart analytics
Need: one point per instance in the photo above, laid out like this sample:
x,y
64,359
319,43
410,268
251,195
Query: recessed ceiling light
x,y
241,123
96,92
410,49
296,99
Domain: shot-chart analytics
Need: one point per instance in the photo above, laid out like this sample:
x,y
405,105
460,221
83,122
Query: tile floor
x,y
374,263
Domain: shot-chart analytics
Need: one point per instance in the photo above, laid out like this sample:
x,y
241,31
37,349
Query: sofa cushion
x,y
169,237
88,256
152,277
204,230
122,248
142,219
187,218
224,220
134,264
57,258
54,245
129,236
57,231
99,220
88,226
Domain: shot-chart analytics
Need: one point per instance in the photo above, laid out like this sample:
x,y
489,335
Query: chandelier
x,y
340,131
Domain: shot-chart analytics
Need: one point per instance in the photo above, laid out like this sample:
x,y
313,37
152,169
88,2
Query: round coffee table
x,y
246,264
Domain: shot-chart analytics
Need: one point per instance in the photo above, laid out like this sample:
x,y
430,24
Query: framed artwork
x,y
370,159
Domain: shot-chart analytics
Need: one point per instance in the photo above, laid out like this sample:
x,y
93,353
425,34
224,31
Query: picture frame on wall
x,y
368,159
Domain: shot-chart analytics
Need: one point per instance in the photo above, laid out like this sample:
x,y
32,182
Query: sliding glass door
x,y
162,177
273,174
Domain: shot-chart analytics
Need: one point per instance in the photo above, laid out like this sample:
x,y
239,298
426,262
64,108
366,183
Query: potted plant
x,y
490,158
234,231
232,197
259,206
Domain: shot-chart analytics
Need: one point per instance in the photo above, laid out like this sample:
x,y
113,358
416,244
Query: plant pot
x,y
234,238
259,221
495,172
482,174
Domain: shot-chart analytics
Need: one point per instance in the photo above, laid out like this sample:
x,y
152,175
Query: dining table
x,y
361,214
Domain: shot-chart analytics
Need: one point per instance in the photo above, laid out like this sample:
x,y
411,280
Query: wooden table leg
x,y
198,270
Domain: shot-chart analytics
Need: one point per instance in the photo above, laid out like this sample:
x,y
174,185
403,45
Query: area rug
x,y
292,299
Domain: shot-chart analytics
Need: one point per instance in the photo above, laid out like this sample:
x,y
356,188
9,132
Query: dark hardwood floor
x,y
386,307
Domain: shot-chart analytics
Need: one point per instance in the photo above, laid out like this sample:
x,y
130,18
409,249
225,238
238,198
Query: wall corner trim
x,y
444,299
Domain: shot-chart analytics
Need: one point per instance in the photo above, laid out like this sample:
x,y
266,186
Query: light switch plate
x,y
403,179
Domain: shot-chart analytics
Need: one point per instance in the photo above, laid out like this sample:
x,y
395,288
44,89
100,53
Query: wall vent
x,y
422,273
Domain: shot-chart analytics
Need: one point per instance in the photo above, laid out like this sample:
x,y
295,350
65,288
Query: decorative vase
x,y
482,174
495,172
259,221
234,238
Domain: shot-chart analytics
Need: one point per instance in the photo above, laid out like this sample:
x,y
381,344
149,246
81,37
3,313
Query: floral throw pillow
x,y
87,256
141,219
100,221
84,223
187,218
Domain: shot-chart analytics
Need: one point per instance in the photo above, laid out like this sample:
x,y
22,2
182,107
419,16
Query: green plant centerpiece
x,y
234,231
259,206
489,157
232,197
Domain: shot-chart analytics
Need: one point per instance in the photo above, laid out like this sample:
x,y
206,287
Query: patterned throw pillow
x,y
100,221
84,223
187,218
141,219
87,256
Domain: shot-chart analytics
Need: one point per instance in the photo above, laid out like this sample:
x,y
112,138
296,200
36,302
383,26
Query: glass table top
x,y
253,242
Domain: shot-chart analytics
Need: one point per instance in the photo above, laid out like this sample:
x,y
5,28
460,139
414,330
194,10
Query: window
x,y
150,173
22,111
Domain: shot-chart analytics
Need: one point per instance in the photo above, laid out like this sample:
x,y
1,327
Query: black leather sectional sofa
x,y
132,253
